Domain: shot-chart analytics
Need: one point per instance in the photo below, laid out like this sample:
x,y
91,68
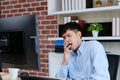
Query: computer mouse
x,y
23,74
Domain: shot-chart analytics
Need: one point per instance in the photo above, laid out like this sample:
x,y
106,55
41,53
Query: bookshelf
x,y
112,8
110,43
55,7
108,38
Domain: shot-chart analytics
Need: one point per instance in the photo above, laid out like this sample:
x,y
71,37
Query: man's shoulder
x,y
93,42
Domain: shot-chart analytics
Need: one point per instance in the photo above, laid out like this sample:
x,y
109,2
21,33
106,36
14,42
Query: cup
x,y
13,73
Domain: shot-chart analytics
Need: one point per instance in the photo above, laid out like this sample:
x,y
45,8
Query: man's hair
x,y
71,26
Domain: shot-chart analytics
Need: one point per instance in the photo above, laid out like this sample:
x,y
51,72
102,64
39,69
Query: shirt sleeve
x,y
100,63
63,72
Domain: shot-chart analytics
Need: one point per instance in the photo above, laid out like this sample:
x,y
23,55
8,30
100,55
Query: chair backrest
x,y
113,65
0,62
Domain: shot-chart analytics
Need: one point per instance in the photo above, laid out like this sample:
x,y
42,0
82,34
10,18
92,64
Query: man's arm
x,y
100,63
63,72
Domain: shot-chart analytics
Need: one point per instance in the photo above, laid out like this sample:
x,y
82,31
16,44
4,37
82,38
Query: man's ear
x,y
79,33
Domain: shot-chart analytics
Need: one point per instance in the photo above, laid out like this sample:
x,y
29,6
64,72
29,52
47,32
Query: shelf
x,y
111,8
91,38
101,38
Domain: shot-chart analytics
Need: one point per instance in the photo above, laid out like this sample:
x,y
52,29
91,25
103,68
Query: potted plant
x,y
95,28
110,3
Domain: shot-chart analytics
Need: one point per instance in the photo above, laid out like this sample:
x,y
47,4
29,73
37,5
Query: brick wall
x,y
47,26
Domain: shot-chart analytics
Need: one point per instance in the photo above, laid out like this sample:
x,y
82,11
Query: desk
x,y
6,76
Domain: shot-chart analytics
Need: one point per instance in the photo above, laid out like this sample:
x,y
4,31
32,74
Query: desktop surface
x,y
37,78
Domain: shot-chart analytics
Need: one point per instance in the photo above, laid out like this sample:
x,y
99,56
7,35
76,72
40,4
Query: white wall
x,y
55,60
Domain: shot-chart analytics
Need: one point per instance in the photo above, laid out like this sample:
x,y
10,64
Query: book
x,y
77,4
118,27
66,5
89,3
73,4
80,4
69,4
83,4
65,20
68,19
63,5
82,26
114,27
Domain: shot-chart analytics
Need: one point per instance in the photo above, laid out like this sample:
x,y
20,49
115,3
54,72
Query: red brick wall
x,y
47,26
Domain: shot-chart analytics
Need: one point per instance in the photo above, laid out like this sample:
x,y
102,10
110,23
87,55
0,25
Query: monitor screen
x,y
19,43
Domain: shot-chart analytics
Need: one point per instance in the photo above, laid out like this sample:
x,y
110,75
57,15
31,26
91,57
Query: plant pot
x,y
95,33
109,4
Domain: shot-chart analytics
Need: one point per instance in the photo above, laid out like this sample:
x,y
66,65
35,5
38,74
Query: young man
x,y
83,60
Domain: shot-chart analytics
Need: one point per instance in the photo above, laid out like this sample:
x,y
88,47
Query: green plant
x,y
110,1
95,26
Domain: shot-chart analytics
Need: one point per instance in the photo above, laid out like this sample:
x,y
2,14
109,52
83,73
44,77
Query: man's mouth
x,y
69,44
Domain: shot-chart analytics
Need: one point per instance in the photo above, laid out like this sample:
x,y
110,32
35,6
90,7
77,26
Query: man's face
x,y
72,38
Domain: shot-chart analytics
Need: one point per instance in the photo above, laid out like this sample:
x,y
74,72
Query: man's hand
x,y
66,53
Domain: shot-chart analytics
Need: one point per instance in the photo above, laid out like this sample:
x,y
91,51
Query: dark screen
x,y
19,43
12,47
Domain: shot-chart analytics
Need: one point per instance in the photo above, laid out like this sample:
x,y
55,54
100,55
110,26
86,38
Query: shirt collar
x,y
80,49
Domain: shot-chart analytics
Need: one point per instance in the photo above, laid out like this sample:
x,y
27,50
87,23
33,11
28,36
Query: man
x,y
83,60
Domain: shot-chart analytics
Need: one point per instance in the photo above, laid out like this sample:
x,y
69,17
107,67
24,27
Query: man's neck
x,y
75,51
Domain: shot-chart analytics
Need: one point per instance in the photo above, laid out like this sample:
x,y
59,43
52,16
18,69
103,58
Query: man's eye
x,y
63,37
69,35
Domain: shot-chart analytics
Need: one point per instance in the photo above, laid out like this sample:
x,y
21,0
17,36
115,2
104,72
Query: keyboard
x,y
37,78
